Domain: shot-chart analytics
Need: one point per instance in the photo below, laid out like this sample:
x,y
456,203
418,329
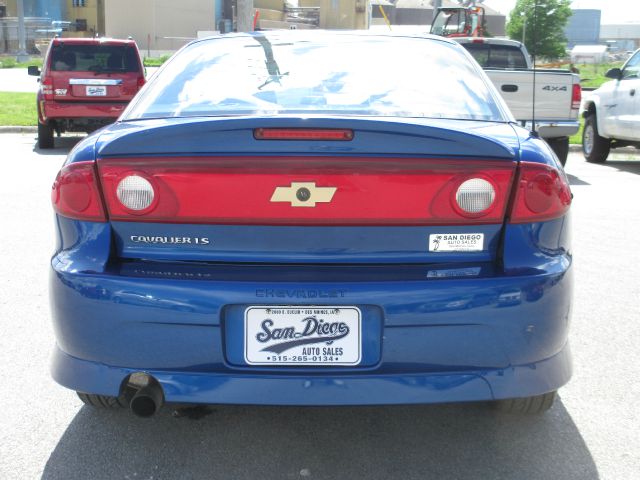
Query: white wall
x,y
158,24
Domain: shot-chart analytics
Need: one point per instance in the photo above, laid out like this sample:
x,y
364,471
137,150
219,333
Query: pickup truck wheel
x,y
560,146
101,401
527,405
45,136
595,148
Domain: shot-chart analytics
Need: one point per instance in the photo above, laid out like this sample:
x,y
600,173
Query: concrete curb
x,y
575,148
17,129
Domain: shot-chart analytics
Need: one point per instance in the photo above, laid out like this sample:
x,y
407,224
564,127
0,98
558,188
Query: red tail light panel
x,y
306,190
76,194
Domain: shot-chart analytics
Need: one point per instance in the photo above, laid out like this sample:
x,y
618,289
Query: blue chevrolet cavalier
x,y
313,218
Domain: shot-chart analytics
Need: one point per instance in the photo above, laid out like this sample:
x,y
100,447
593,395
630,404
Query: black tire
x,y
45,136
527,405
595,148
560,146
101,401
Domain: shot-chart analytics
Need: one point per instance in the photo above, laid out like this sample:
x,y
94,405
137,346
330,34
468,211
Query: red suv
x,y
85,84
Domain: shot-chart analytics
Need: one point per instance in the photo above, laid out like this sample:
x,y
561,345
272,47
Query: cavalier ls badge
x,y
303,194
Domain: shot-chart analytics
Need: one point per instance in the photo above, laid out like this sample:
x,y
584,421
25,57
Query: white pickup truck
x,y
612,112
557,92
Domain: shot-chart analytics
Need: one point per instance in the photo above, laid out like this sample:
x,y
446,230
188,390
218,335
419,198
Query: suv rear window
x,y
94,58
496,56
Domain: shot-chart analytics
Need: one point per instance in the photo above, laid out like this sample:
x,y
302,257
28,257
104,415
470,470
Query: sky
x,y
613,11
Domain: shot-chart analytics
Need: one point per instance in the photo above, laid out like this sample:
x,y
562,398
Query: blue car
x,y
313,218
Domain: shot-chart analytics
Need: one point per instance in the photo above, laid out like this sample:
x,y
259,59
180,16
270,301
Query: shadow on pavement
x,y
404,442
63,145
573,180
631,166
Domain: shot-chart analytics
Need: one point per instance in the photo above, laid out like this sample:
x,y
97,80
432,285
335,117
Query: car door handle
x,y
632,92
509,88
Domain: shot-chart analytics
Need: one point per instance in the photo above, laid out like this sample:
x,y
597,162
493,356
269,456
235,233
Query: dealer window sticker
x,y
456,242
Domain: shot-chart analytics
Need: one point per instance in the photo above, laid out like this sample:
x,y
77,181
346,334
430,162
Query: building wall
x,y
89,10
583,28
158,24
334,14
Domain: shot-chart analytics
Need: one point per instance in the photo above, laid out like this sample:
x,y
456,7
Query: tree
x,y
543,23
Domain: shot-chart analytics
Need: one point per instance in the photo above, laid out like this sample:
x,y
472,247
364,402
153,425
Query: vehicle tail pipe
x,y
147,401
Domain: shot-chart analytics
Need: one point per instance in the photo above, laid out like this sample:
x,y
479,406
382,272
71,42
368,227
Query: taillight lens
x,y
336,191
75,193
543,193
46,86
475,196
136,193
141,82
576,96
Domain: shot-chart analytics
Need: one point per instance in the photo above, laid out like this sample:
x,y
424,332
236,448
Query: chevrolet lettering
x,y
282,218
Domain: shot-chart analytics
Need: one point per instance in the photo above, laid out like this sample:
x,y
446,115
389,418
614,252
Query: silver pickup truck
x,y
557,92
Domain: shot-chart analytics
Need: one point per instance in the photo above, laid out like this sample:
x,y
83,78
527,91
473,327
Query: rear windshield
x,y
94,58
330,74
497,56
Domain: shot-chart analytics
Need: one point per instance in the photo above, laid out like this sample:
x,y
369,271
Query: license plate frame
x,y
96,90
302,335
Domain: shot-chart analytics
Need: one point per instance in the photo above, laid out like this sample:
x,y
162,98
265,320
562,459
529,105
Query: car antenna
x,y
535,49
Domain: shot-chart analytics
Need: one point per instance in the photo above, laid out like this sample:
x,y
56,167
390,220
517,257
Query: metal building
x,y
583,28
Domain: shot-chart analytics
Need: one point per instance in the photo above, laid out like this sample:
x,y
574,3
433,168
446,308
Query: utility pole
x,y
245,16
22,55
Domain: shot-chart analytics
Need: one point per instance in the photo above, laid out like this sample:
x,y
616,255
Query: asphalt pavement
x,y
591,432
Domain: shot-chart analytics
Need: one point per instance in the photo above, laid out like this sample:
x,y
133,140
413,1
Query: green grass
x,y
18,109
577,138
593,75
10,62
155,61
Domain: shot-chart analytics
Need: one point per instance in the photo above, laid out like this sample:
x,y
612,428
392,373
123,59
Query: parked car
x,y
612,113
557,92
85,84
337,229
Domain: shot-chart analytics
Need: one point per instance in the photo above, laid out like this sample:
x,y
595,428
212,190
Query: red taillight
x,y
543,193
141,82
75,193
576,96
46,86
306,190
302,134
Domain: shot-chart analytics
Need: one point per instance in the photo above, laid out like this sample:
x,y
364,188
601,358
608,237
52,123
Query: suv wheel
x,y
527,405
101,401
560,147
595,148
45,135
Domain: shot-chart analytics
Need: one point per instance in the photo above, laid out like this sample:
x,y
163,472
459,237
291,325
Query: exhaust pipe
x,y
147,401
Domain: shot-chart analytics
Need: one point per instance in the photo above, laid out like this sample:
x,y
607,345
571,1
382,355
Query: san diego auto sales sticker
x,y
456,242
302,335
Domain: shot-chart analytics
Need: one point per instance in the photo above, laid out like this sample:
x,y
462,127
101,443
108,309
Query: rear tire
x,y
101,401
45,136
560,146
527,405
595,148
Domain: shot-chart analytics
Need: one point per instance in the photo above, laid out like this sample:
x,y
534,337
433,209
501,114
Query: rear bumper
x,y
552,129
440,334
69,110
371,389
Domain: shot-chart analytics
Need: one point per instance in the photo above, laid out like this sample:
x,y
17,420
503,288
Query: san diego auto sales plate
x,y
302,335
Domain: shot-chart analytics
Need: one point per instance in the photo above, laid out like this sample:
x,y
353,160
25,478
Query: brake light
x,y
576,96
141,82
543,193
75,193
302,134
46,87
334,190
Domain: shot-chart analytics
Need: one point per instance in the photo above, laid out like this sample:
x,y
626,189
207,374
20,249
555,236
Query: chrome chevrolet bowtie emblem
x,y
303,194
